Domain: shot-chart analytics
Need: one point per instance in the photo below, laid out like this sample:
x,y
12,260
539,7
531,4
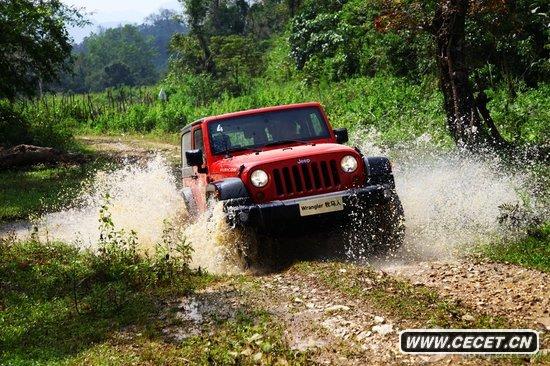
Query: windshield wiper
x,y
282,142
227,152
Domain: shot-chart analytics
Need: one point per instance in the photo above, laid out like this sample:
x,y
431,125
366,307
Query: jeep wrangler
x,y
278,166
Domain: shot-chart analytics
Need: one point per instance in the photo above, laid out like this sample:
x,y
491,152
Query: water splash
x,y
452,199
141,199
214,242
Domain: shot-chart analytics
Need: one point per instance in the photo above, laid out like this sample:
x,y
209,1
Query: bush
x,y
21,126
14,129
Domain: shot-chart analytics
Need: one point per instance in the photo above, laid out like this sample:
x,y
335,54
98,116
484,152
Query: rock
x,y
361,336
335,308
378,319
468,318
26,155
298,300
254,337
383,329
257,357
432,358
544,322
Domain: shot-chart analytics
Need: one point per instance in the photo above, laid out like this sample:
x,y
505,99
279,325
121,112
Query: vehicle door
x,y
200,174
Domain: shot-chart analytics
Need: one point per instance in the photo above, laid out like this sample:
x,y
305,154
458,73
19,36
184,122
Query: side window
x,y
197,139
185,145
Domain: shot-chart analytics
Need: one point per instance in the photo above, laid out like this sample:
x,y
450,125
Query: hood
x,y
253,159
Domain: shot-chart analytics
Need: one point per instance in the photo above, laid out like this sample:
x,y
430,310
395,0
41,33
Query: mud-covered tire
x,y
377,229
257,251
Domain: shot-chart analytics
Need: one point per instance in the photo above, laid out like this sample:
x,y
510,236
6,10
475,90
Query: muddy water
x,y
451,200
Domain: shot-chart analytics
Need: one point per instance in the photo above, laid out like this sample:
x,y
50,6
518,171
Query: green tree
x,y
123,45
34,44
238,59
474,40
160,27
196,12
117,74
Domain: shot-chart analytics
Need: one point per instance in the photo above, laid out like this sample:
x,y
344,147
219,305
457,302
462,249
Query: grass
x,y
417,304
59,306
40,188
249,338
532,251
57,302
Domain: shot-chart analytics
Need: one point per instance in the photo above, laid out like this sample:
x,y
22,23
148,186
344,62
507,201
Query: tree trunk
x,y
464,121
209,65
27,155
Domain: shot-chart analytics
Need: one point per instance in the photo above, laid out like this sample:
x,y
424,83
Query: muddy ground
x,y
329,310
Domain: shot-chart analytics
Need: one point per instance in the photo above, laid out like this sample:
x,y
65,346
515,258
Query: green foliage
x,y
532,251
14,128
56,301
334,40
113,57
124,46
238,59
509,42
525,116
34,44
19,127
122,56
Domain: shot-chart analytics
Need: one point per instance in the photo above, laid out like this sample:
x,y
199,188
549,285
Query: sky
x,y
110,13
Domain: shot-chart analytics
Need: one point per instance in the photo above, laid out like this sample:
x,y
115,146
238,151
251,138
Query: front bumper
x,y
275,213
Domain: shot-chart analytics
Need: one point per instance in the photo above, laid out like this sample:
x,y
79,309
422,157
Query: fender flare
x,y
227,189
379,171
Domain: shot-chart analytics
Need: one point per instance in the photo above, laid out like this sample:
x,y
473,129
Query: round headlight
x,y
259,178
348,164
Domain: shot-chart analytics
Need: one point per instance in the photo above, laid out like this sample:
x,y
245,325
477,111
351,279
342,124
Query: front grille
x,y
306,177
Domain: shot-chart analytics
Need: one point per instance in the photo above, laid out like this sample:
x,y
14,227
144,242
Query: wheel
x,y
377,229
256,251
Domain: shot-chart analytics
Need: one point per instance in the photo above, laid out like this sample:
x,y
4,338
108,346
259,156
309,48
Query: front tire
x,y
377,229
257,251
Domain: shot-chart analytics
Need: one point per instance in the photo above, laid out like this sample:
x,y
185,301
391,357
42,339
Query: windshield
x,y
269,128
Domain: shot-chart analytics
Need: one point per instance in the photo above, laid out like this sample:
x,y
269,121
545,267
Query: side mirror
x,y
341,135
194,157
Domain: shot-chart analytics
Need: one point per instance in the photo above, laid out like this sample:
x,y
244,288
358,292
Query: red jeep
x,y
277,166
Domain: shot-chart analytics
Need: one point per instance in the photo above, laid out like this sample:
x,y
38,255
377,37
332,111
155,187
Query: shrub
x,y
14,129
21,126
